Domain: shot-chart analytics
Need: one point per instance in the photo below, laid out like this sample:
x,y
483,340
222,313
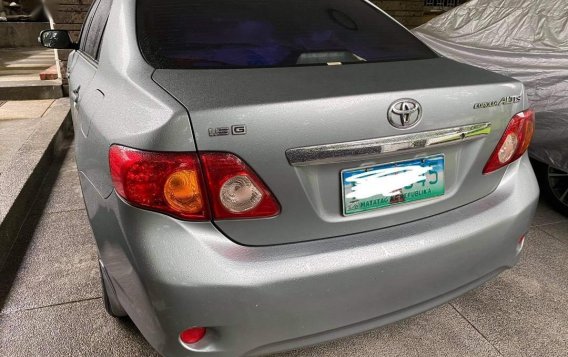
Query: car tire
x,y
553,185
110,300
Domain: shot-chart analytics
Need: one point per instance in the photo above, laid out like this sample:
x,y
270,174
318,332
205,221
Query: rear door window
x,y
270,33
96,28
87,23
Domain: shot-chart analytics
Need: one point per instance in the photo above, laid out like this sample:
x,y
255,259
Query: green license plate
x,y
374,187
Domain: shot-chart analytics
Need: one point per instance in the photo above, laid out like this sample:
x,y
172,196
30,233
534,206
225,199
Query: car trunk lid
x,y
272,117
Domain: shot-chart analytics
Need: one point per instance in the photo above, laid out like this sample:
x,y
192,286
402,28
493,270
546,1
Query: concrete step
x,y
28,148
30,89
30,64
20,70
21,56
23,109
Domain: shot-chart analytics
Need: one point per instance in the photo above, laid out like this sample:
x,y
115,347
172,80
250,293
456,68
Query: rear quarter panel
x,y
135,111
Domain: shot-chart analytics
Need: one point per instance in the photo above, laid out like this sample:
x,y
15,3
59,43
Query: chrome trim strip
x,y
372,148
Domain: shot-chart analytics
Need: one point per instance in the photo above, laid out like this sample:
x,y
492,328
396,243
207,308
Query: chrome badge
x,y
240,129
496,103
405,113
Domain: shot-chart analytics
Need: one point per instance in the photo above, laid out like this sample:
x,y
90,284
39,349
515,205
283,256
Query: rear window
x,y
270,33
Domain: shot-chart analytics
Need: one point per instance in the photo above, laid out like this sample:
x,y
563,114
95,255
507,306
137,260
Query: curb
x,y
30,90
24,175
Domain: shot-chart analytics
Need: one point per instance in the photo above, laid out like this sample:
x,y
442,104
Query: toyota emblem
x,y
405,113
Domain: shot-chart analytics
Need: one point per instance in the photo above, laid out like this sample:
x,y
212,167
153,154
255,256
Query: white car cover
x,y
523,39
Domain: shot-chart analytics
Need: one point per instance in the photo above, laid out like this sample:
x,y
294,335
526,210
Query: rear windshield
x,y
270,33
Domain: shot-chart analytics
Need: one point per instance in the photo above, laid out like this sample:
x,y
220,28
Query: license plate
x,y
380,186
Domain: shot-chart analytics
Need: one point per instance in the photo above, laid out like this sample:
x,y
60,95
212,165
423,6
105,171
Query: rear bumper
x,y
171,275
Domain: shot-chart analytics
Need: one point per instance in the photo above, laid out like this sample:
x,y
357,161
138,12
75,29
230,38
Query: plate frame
x,y
343,212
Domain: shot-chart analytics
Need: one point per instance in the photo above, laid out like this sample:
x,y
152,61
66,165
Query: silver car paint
x,y
286,108
171,274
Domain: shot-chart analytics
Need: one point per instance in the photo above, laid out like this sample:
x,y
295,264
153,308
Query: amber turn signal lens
x,y
182,192
529,133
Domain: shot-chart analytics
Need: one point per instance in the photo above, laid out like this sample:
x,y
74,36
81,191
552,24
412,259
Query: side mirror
x,y
57,39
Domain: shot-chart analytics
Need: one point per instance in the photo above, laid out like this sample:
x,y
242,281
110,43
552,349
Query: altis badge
x,y
497,103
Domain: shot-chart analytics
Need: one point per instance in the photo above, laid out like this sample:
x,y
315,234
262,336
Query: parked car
x,y
526,40
261,176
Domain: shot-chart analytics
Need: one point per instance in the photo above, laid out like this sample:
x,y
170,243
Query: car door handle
x,y
76,94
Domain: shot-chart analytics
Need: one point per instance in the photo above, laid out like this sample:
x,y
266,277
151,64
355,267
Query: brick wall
x,y
409,12
67,15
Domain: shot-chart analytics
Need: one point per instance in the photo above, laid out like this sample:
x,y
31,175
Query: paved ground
x,y
53,307
18,120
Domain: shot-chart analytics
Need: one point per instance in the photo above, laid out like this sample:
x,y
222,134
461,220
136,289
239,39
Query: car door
x,y
86,98
91,98
79,71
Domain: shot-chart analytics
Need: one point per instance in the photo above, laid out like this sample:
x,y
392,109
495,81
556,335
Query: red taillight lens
x,y
514,142
167,182
173,183
235,190
192,335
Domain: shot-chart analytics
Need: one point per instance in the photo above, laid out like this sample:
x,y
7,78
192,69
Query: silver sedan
x,y
264,175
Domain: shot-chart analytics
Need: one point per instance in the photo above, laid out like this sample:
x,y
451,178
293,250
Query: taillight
x,y
173,183
235,190
167,182
514,142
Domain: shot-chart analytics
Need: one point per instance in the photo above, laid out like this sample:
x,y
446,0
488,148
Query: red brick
x,y
48,74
